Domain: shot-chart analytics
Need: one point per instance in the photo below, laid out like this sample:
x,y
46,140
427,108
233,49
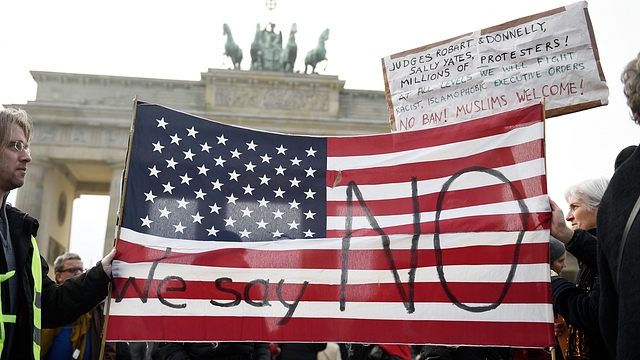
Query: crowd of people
x,y
597,317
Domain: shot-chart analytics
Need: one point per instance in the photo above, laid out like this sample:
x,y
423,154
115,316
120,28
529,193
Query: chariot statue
x,y
267,53
271,48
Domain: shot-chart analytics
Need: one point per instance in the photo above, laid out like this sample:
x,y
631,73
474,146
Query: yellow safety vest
x,y
36,272
3,317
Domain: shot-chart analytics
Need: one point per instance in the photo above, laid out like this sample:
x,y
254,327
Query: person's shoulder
x,y
11,208
16,215
628,169
13,213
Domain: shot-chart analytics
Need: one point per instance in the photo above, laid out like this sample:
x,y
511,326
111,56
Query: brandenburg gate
x,y
82,125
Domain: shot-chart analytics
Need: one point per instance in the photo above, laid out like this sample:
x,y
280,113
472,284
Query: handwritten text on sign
x,y
549,56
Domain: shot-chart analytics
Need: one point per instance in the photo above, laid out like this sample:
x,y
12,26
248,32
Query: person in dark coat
x,y
436,352
213,351
300,351
30,299
619,303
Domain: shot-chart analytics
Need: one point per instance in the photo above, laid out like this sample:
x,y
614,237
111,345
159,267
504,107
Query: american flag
x,y
434,236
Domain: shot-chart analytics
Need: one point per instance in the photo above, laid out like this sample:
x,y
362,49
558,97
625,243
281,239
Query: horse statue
x,y
318,54
231,49
257,55
290,52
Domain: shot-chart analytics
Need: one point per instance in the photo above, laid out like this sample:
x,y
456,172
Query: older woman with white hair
x,y
584,200
578,303
587,195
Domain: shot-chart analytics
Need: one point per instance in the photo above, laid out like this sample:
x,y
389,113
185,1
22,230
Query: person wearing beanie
x,y
557,255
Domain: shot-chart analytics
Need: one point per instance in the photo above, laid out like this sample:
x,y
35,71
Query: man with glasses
x,y
82,338
66,266
30,300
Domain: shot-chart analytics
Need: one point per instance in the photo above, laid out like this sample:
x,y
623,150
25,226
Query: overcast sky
x,y
182,39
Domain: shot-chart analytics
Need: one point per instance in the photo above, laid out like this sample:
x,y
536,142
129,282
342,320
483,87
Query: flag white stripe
x,y
535,204
453,273
354,310
400,241
440,152
517,172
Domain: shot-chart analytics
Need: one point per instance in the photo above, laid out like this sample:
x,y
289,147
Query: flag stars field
x,y
256,185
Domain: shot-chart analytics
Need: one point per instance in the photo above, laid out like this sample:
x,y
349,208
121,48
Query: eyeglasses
x,y
72,270
20,146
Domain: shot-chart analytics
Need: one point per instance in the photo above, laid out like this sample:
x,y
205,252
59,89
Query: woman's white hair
x,y
589,191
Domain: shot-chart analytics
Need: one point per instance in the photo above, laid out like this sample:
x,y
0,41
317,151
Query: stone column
x,y
29,198
114,205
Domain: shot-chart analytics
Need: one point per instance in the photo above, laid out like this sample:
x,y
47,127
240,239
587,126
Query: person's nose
x,y
569,215
25,157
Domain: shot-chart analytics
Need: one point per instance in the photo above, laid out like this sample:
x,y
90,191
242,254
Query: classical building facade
x,y
82,125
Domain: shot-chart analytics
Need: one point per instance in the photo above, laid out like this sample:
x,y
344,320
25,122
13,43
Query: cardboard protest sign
x,y
550,55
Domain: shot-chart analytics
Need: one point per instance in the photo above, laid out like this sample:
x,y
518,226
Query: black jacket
x,y
214,351
620,302
580,310
576,307
584,246
435,352
61,304
300,351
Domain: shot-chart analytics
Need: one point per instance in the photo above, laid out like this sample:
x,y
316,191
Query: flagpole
x,y
544,137
118,219
544,131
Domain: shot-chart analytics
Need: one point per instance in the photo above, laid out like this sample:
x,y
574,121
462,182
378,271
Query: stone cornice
x,y
271,79
42,77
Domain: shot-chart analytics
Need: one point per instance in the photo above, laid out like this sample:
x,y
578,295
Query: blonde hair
x,y
11,116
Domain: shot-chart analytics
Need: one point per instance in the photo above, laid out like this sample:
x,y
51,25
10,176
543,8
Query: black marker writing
x,y
438,249
142,294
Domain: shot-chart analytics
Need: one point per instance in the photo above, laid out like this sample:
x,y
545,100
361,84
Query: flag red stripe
x,y
478,223
465,292
401,141
332,259
436,169
453,199
200,328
